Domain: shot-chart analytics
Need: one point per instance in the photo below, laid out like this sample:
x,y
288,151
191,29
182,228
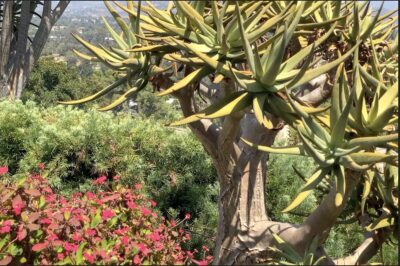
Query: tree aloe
x,y
326,68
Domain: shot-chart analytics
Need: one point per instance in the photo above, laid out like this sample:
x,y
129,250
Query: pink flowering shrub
x,y
113,226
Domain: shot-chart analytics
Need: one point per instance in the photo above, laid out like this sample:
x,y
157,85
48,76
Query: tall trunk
x,y
5,43
242,176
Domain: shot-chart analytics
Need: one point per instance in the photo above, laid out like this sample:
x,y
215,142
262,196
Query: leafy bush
x,y
52,81
113,225
76,145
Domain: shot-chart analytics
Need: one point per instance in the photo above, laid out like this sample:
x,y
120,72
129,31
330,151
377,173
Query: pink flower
x,y
145,211
143,249
154,236
90,195
60,256
63,200
89,257
41,166
187,236
21,234
125,240
159,246
153,203
137,260
70,247
201,263
189,254
100,180
187,216
138,186
205,249
121,231
116,178
50,198
90,232
107,213
45,221
77,237
3,170
17,207
5,229
131,205
52,237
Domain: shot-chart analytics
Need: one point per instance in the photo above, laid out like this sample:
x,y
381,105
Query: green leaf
x,y
336,96
124,97
98,94
388,97
307,189
373,157
319,157
313,73
367,142
291,150
381,223
338,131
122,44
79,254
258,107
340,184
233,103
287,250
122,24
369,176
96,219
246,45
270,65
196,75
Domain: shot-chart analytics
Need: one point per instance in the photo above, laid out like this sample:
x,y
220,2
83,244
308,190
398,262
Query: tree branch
x,y
367,249
59,10
324,217
206,131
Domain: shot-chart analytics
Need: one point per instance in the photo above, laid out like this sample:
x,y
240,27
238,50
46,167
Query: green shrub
x,y
78,144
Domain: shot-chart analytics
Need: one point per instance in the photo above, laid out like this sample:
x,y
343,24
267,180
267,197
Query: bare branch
x,y
367,249
324,217
59,10
316,92
206,131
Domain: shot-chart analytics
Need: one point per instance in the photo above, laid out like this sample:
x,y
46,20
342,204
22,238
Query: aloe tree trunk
x,y
18,54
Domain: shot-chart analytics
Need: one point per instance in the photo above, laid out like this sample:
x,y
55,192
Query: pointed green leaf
x,y
292,150
98,94
233,103
306,190
196,75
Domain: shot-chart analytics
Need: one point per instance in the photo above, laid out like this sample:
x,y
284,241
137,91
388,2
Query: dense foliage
x,y
112,225
52,81
76,145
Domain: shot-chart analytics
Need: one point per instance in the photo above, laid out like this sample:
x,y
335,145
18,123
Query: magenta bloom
x,y
100,180
3,170
107,214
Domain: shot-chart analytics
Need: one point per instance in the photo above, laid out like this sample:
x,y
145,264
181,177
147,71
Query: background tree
x,y
326,69
18,50
52,81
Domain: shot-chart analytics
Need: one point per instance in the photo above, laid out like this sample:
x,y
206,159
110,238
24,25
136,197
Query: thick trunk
x,y
242,212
